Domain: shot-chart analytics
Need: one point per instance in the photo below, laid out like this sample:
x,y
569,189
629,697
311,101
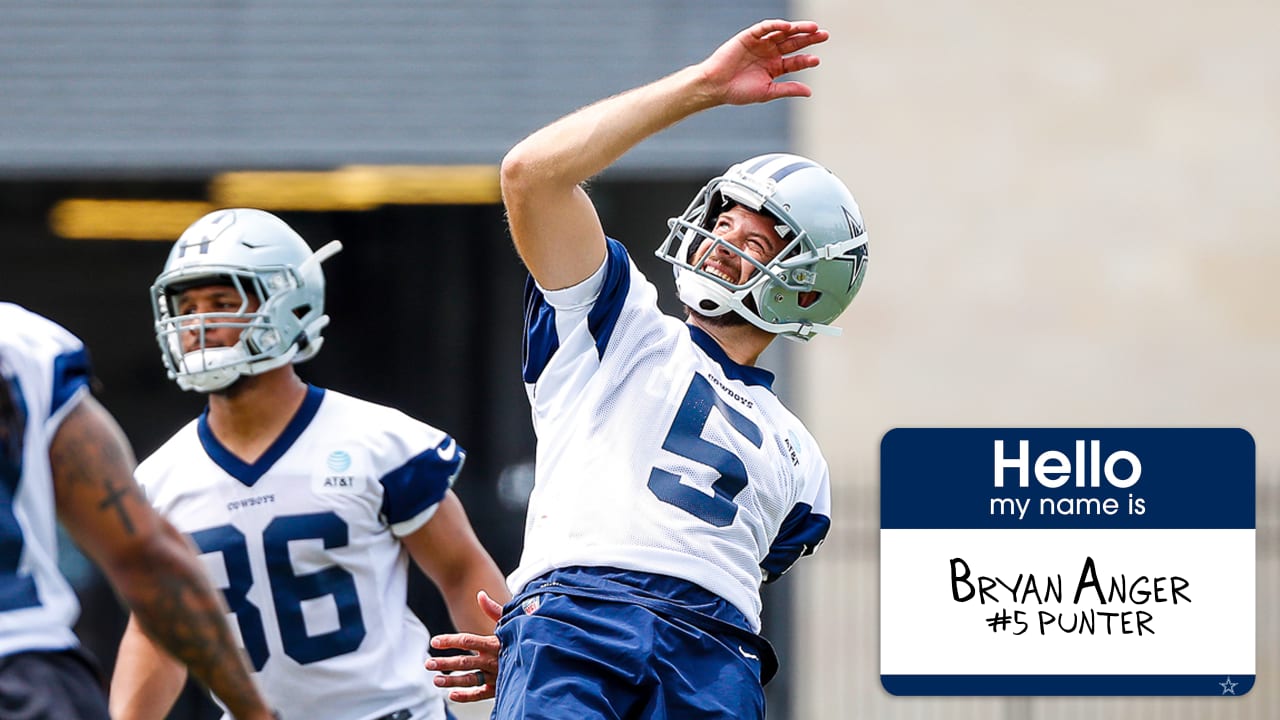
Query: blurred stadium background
x,y
1072,206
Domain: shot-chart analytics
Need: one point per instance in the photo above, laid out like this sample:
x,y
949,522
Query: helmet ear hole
x,y
808,298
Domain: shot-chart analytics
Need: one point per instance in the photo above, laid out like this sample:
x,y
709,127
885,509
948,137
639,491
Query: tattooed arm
x,y
145,558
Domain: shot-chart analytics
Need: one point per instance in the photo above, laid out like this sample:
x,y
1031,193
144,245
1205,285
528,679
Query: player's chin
x,y
727,320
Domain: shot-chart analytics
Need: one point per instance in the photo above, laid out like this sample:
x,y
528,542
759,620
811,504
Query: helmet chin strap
x,y
214,369
700,294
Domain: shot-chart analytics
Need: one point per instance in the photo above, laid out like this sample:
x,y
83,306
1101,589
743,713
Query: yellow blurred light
x,y
289,190
355,187
430,184
358,187
91,219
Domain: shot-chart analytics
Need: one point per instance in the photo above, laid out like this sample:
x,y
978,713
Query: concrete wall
x,y
148,87
1073,217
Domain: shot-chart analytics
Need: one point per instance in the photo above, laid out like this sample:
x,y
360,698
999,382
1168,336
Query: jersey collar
x,y
249,473
732,370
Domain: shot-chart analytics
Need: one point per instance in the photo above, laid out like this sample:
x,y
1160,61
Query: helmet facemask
x,y
269,334
707,293
811,279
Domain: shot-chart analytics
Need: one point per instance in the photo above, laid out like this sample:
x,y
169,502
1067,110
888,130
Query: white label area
x,y
1017,602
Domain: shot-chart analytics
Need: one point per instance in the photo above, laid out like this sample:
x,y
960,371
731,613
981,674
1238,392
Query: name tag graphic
x,y
1064,561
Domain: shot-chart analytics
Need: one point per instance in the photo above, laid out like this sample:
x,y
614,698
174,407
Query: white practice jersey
x,y
656,452
305,545
47,370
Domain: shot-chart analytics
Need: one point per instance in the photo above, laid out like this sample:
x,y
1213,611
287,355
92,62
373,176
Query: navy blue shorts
x,y
587,643
51,685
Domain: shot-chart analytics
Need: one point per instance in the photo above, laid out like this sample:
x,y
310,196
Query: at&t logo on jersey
x,y
339,461
792,443
340,474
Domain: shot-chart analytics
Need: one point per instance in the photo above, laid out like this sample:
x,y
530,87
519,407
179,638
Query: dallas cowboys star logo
x,y
1228,687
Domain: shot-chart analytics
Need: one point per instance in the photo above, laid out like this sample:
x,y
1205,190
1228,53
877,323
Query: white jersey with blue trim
x,y
657,452
304,544
47,370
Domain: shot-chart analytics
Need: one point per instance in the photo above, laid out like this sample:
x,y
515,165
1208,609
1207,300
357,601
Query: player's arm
x,y
448,551
553,223
147,680
147,561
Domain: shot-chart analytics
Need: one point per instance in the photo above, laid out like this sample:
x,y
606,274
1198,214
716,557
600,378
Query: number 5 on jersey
x,y
685,439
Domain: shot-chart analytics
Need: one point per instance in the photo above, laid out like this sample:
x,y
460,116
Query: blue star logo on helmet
x,y
338,460
857,258
855,227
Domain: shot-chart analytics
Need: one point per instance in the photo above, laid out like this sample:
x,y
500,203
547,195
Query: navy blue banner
x,y
1219,685
1115,478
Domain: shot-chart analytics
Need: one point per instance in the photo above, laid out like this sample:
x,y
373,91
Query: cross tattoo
x,y
114,497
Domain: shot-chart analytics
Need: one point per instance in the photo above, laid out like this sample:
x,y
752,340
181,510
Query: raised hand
x,y
744,69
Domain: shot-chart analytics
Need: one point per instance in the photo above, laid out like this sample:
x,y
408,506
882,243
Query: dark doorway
x,y
425,303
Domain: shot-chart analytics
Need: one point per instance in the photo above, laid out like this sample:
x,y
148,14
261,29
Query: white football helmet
x,y
817,273
261,257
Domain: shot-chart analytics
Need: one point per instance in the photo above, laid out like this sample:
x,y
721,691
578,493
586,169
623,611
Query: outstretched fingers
x,y
796,63
467,686
766,27
792,88
472,676
800,41
473,694
784,37
483,644
745,69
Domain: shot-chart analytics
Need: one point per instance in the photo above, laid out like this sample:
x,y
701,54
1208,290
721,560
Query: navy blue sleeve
x,y
617,283
541,342
801,533
71,371
421,482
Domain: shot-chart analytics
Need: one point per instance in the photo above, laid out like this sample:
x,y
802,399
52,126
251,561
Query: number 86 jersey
x,y
657,452
305,545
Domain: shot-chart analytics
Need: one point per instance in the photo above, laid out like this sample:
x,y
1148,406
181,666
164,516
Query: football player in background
x,y
309,501
62,456
670,481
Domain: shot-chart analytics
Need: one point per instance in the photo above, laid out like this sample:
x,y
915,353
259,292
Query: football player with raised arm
x,y
670,481
64,457
305,503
